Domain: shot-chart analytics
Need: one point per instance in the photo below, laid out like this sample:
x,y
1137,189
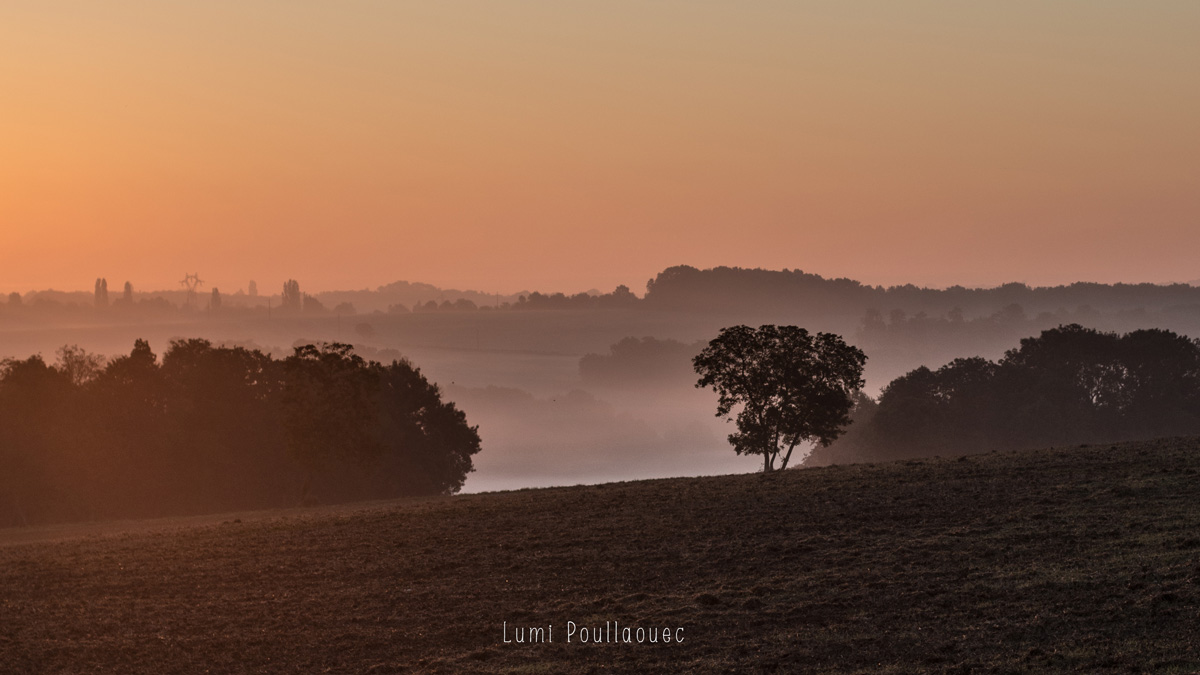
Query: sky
x,y
562,145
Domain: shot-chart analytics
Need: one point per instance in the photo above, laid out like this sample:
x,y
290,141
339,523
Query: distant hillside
x,y
719,290
366,300
409,294
738,289
1062,560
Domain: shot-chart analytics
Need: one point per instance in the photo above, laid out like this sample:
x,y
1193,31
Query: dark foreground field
x,y
1084,559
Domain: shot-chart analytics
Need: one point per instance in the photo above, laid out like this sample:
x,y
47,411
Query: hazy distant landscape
x,y
599,387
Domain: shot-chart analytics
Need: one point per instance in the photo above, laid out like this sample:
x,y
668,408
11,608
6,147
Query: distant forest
x,y
720,290
219,428
1070,385
643,361
730,288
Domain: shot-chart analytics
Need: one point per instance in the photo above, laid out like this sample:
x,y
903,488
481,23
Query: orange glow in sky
x,y
557,145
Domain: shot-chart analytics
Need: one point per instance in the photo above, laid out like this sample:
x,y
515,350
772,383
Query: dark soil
x,y
1081,559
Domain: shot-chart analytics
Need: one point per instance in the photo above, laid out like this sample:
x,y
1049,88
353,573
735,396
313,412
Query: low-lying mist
x,y
587,389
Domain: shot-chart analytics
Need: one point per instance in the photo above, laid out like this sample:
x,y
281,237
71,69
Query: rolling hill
x,y
1073,559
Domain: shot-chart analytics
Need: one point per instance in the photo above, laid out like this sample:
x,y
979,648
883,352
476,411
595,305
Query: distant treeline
x,y
1071,385
638,361
219,428
733,288
396,298
723,290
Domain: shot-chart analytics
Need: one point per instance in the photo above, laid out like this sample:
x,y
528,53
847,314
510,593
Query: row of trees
x,y
1070,385
735,290
293,300
100,295
726,289
640,361
620,298
214,428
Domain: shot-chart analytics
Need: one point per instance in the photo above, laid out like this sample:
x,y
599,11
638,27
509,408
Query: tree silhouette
x,y
219,428
78,365
291,299
339,407
791,387
328,405
101,293
312,305
1069,385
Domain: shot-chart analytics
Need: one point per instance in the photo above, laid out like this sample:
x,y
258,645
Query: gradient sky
x,y
560,145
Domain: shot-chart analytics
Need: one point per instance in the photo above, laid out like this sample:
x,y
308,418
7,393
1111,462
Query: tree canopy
x,y
1069,385
213,428
788,386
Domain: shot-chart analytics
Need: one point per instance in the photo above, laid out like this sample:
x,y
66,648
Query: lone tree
x,y
291,295
792,387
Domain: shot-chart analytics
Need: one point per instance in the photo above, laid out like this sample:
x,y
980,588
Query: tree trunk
x,y
770,452
787,457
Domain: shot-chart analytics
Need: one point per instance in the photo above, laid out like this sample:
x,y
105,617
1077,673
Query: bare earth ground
x,y
1083,559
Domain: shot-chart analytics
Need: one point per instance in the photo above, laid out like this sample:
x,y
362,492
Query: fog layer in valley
x,y
571,389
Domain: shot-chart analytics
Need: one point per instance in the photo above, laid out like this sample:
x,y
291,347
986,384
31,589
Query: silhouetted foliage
x,y
1070,385
291,300
733,289
790,387
77,365
619,298
430,306
735,294
313,305
640,361
101,299
219,428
